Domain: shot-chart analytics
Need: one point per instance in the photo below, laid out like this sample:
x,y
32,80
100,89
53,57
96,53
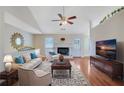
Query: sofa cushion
x,y
19,60
36,59
56,56
37,52
27,57
33,64
33,55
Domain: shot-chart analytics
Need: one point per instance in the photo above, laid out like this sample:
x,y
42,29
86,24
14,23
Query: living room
x,y
33,28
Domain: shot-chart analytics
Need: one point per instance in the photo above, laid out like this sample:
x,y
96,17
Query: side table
x,y
10,77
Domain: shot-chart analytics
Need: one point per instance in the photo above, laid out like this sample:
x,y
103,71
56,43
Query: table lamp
x,y
8,59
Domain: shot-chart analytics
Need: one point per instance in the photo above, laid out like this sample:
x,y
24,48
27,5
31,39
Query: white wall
x,y
86,45
6,31
100,17
69,39
5,41
1,43
111,29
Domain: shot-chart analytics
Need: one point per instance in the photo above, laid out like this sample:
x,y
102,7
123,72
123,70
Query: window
x,y
77,43
77,47
49,45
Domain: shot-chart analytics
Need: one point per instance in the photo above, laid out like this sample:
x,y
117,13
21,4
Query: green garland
x,y
111,14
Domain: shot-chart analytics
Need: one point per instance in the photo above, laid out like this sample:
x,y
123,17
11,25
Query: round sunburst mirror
x,y
17,40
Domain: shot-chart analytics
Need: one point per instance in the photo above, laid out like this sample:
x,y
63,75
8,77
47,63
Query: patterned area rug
x,y
61,78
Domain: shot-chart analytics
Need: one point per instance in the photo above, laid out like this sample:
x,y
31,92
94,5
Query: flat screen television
x,y
106,49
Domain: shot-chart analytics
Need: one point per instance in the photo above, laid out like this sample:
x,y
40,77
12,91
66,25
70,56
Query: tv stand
x,y
112,68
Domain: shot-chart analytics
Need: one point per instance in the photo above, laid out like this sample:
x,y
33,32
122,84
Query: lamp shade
x,y
8,58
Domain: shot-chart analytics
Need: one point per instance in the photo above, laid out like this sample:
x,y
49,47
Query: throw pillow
x,y
27,57
37,52
52,53
33,55
19,60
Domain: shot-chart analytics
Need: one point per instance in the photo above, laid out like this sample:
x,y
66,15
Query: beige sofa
x,y
27,73
27,58
28,77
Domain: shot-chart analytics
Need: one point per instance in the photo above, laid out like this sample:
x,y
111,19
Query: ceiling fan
x,y
64,20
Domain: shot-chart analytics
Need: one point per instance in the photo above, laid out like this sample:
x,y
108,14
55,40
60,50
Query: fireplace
x,y
63,50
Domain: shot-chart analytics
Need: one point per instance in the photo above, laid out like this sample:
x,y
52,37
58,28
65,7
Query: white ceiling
x,y
44,15
21,18
37,19
16,22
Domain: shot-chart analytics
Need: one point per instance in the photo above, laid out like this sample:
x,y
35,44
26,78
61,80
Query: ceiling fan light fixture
x,y
64,22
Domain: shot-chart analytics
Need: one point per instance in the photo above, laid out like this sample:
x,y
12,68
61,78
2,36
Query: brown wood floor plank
x,y
95,77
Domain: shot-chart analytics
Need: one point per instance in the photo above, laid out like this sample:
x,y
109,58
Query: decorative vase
x,y
61,58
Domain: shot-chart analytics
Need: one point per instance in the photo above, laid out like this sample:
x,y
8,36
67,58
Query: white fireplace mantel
x,y
63,44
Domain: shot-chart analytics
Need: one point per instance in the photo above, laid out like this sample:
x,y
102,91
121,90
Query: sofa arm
x,y
43,58
40,73
41,81
16,66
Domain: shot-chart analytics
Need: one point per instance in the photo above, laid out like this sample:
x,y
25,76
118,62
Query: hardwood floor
x,y
94,76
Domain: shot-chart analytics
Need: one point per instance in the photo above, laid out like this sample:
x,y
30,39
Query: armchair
x,y
52,56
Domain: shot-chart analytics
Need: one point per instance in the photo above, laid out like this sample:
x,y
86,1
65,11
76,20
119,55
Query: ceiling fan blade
x,y
56,20
70,22
60,15
72,17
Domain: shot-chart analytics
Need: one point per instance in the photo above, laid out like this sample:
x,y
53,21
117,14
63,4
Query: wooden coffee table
x,y
56,66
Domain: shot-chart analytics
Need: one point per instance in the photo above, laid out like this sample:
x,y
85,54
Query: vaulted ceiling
x,y
45,14
39,18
